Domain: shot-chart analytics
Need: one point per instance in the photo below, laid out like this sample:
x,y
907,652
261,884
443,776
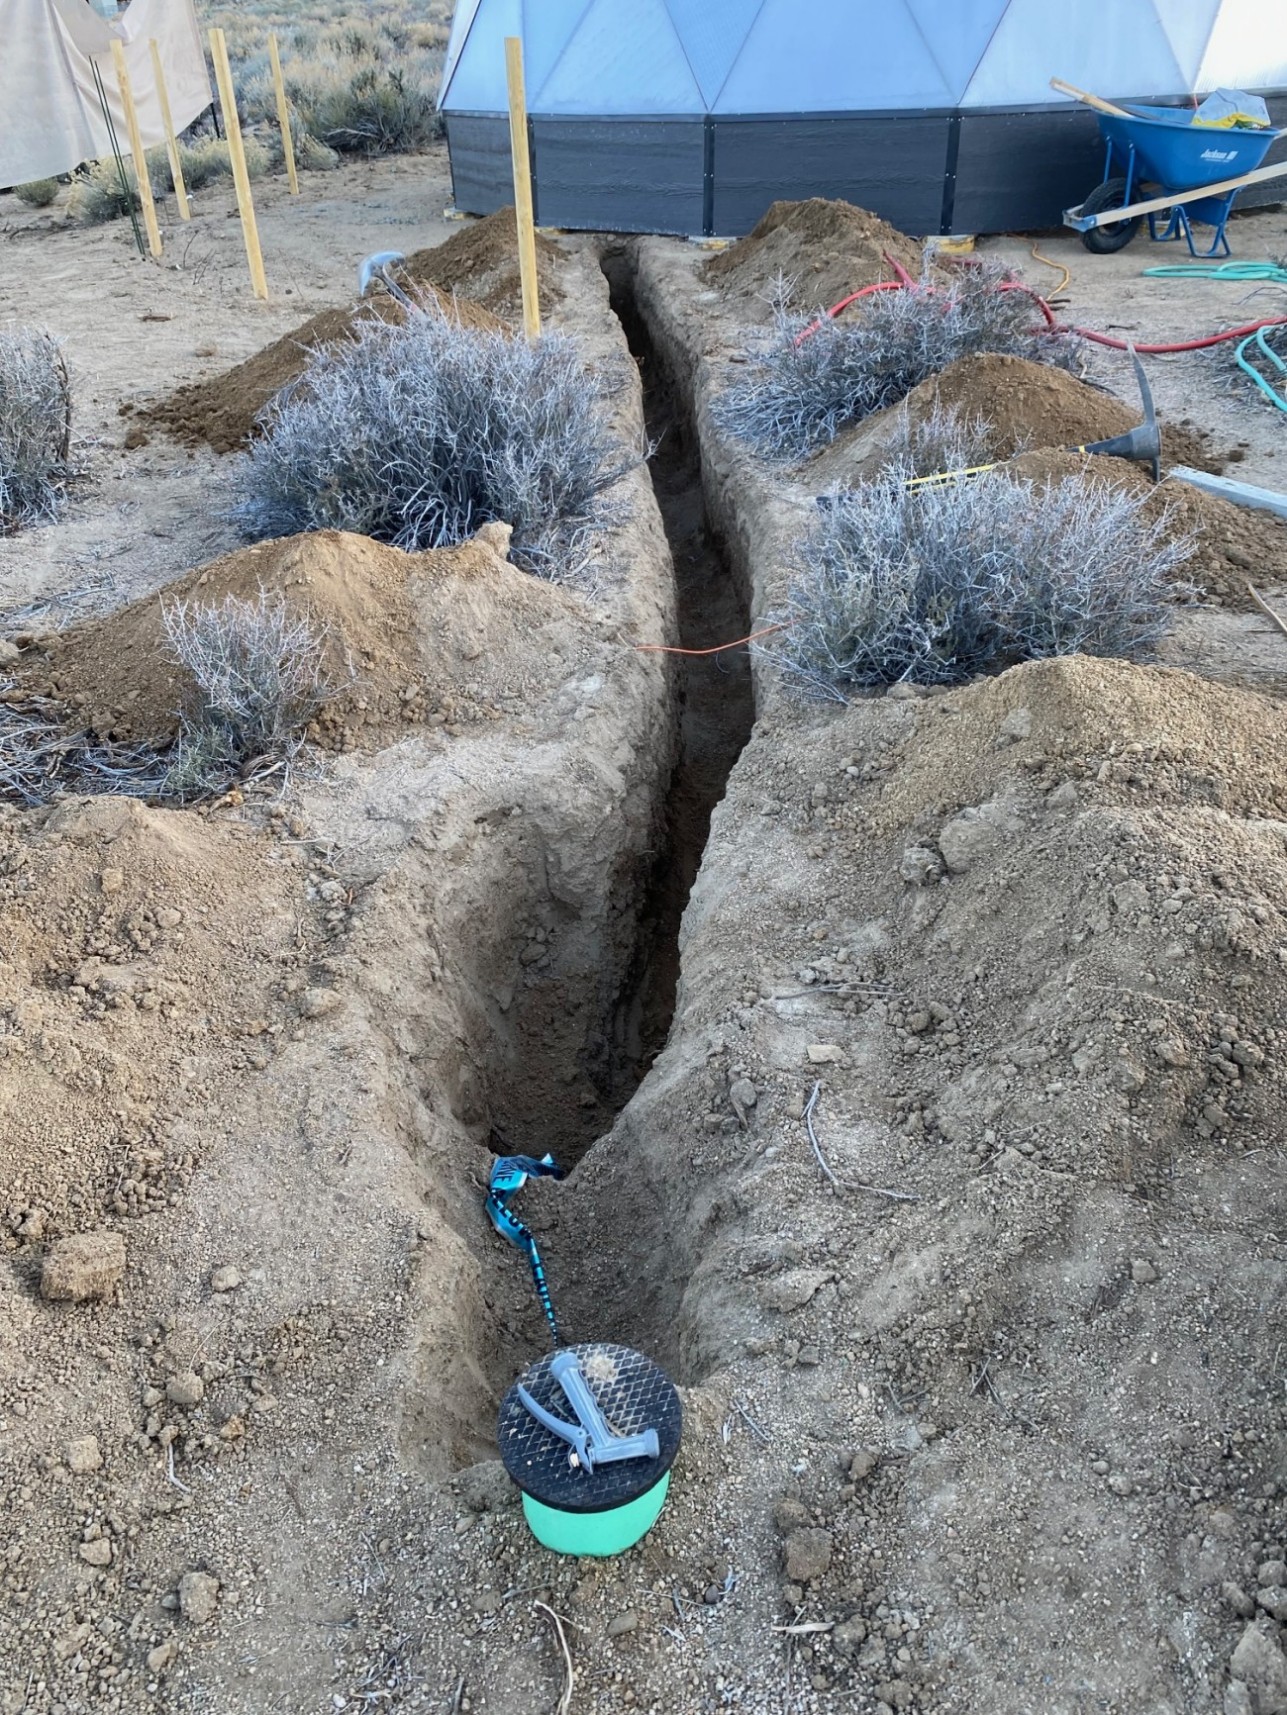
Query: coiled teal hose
x,y
1241,273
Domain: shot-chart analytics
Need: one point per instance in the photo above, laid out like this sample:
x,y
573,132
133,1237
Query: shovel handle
x,y
1095,101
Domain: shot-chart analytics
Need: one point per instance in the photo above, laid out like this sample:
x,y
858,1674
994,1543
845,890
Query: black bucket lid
x,y
633,1395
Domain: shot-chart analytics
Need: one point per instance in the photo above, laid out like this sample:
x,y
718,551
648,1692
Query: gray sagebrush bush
x,y
937,583
38,193
258,679
815,375
417,433
35,428
97,194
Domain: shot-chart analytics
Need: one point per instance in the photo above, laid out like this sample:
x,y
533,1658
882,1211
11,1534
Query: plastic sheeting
x,y
52,119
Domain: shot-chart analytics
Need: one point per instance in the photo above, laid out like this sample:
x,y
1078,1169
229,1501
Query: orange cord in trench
x,y
718,649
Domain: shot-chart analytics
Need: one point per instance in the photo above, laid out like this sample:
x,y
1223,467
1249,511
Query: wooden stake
x,y
136,148
240,177
283,116
171,141
522,187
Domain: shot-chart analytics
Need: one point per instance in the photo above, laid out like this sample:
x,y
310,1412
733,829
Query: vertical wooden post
x,y
171,141
522,187
136,148
240,177
283,115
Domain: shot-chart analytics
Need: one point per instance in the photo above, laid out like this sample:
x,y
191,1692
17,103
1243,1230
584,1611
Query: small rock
x,y
1172,1052
82,1267
1064,797
186,1388
233,1429
1237,1699
969,837
1017,725
97,1553
83,1455
1238,1599
487,1602
1128,1077
620,1624
1259,1663
824,1053
1142,1272
1271,1572
808,1554
743,1093
198,1597
318,1002
711,1595
849,1635
9,652
1274,1601
497,537
162,1656
33,1228
920,866
112,880
225,1279
789,1515
863,1463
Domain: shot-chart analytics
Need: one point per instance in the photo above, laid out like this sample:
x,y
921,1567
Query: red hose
x,y
905,280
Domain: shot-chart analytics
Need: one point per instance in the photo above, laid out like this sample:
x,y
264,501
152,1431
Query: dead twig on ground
x,y
819,1157
806,1628
1264,606
556,1620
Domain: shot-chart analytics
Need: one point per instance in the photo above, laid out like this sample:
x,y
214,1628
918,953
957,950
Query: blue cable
x,y
509,1175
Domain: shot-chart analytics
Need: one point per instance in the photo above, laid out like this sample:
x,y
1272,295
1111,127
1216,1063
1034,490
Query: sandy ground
x,y
133,329
984,1398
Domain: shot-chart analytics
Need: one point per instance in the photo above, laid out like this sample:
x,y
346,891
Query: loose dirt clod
x,y
828,249
83,1266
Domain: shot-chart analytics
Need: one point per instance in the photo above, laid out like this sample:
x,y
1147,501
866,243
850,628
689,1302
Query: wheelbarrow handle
x,y
1095,101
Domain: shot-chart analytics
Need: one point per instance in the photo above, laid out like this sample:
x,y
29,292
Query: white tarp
x,y
50,116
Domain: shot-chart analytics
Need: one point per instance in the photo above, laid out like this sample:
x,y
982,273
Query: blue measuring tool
x,y
509,1175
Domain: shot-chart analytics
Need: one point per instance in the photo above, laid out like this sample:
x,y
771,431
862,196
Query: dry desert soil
x,y
918,1060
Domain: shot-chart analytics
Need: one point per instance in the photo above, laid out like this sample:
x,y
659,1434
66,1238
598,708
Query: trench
x,y
713,695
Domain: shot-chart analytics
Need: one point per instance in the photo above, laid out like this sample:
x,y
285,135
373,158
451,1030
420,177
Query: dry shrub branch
x,y
934,584
417,434
811,378
35,428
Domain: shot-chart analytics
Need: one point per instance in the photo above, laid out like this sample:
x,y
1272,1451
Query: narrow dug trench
x,y
713,693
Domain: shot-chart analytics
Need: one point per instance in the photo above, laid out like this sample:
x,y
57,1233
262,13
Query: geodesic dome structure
x,y
691,116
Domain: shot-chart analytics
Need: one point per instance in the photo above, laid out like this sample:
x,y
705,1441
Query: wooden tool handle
x,y
1095,101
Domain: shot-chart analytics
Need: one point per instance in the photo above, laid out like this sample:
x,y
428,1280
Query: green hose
x,y
1241,273
1238,272
1267,351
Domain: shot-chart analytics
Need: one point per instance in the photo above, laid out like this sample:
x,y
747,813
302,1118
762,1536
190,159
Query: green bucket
x,y
605,1511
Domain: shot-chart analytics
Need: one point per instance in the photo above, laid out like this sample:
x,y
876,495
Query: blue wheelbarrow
x,y
1198,171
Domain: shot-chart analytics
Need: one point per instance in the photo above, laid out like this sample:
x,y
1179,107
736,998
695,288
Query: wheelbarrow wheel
x,y
1114,234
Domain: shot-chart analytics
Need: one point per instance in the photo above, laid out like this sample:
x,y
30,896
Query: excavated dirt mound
x,y
1232,544
473,277
438,638
128,932
1024,405
828,249
480,262
223,411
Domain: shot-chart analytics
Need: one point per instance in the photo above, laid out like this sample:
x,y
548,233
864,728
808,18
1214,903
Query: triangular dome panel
x,y
547,27
957,45
621,60
792,63
712,33
1115,50
1240,23
1188,29
461,23
477,84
